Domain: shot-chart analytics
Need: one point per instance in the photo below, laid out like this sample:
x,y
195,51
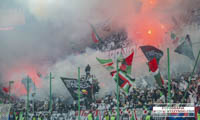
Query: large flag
x,y
107,63
72,85
125,81
185,48
151,52
153,66
126,65
95,37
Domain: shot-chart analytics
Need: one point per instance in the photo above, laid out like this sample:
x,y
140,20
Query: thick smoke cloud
x,y
47,33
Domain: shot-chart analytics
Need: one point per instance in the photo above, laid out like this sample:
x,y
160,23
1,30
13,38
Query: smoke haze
x,y
46,35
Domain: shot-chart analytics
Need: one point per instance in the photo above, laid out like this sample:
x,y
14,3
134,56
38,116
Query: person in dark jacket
x,y
11,116
87,71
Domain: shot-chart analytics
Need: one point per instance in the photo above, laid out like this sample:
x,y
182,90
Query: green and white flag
x,y
107,63
125,81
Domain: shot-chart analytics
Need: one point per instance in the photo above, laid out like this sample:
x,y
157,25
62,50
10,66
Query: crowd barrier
x,y
125,114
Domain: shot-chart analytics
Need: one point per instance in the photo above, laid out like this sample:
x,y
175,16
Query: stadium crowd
x,y
137,99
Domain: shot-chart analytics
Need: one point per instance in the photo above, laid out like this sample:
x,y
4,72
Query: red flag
x,y
153,65
127,63
129,59
6,89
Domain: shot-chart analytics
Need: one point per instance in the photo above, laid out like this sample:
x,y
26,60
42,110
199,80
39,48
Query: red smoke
x,y
18,73
148,31
147,27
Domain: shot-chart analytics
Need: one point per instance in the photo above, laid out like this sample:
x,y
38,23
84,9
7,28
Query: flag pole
x,y
50,93
79,94
27,102
10,83
117,91
169,77
191,75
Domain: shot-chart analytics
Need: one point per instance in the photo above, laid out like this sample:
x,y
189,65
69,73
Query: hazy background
x,y
53,36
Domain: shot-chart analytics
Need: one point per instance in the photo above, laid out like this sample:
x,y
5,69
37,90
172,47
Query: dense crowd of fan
x,y
138,98
114,41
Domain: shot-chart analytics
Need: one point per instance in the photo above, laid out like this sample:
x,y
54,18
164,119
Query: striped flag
x,y
125,81
127,64
153,66
95,37
107,63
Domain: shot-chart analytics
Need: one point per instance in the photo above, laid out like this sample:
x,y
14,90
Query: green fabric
x,y
22,118
90,116
128,69
112,118
21,115
121,57
107,63
148,117
104,61
161,94
107,117
198,116
97,118
125,88
16,117
34,118
132,117
158,79
39,118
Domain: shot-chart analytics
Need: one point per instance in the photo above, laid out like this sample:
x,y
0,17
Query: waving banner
x,y
151,52
153,66
72,86
114,54
154,55
125,80
185,48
